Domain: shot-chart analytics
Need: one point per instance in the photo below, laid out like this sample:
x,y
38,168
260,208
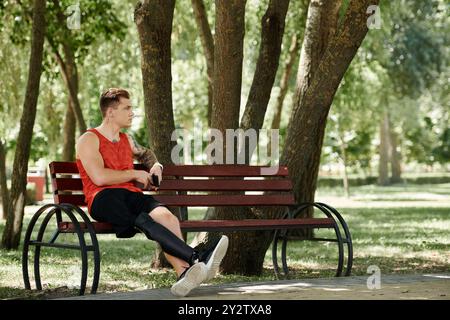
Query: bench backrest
x,y
189,185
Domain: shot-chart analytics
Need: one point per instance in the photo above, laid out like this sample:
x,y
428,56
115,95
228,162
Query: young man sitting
x,y
105,162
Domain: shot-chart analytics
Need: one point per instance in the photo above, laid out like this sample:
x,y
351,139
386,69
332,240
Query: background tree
x,y
406,25
13,227
12,85
72,29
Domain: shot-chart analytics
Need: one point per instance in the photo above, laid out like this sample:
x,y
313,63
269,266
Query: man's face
x,y
122,114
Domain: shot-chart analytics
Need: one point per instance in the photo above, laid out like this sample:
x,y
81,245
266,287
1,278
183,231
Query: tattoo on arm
x,y
143,155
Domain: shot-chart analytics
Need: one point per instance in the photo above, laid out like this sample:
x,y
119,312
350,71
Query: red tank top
x,y
116,156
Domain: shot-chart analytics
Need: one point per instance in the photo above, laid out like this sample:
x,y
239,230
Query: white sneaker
x,y
189,280
215,258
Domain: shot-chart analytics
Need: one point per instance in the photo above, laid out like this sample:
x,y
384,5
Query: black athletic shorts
x,y
120,207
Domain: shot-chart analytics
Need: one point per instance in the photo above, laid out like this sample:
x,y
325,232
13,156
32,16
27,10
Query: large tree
x,y
154,23
320,74
227,83
327,51
13,228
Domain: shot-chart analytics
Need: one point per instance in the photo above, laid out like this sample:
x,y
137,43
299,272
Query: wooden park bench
x,y
232,185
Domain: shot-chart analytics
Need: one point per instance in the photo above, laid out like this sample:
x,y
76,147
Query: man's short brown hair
x,y
111,97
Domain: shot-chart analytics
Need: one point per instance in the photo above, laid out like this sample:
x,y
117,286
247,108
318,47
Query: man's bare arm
x,y
87,149
143,155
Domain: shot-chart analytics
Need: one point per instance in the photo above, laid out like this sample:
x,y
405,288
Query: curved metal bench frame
x,y
49,211
339,222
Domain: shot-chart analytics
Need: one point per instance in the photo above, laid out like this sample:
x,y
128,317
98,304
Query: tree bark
x,y
71,82
69,134
70,120
307,123
207,40
154,23
68,68
284,86
272,31
3,181
228,58
284,82
13,227
249,260
384,148
321,26
228,55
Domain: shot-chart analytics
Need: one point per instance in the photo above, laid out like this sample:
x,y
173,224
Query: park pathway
x,y
396,287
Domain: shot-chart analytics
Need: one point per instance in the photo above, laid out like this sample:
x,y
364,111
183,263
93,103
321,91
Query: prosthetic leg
x,y
168,241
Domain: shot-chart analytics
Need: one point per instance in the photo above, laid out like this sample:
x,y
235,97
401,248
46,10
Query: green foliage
x,y
107,52
442,151
412,44
399,68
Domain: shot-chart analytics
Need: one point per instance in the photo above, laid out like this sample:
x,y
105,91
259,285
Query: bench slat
x,y
255,224
75,184
226,200
200,200
220,225
221,170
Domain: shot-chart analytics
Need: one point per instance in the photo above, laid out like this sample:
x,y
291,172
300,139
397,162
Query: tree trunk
x,y
228,55
13,227
71,82
70,119
396,168
284,82
69,134
228,58
68,68
321,26
207,40
284,85
383,167
3,181
272,30
250,261
154,23
317,84
306,128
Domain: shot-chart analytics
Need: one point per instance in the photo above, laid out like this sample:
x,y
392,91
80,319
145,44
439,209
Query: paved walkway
x,y
398,287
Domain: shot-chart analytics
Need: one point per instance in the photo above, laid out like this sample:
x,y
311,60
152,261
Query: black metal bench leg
x,y
339,240
328,211
348,237
37,251
283,256
26,244
95,246
276,268
83,249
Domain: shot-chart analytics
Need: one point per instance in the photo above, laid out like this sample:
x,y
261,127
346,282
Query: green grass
x,y
396,239
396,192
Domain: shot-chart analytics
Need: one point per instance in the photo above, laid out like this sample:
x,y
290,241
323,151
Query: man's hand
x,y
156,169
142,177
